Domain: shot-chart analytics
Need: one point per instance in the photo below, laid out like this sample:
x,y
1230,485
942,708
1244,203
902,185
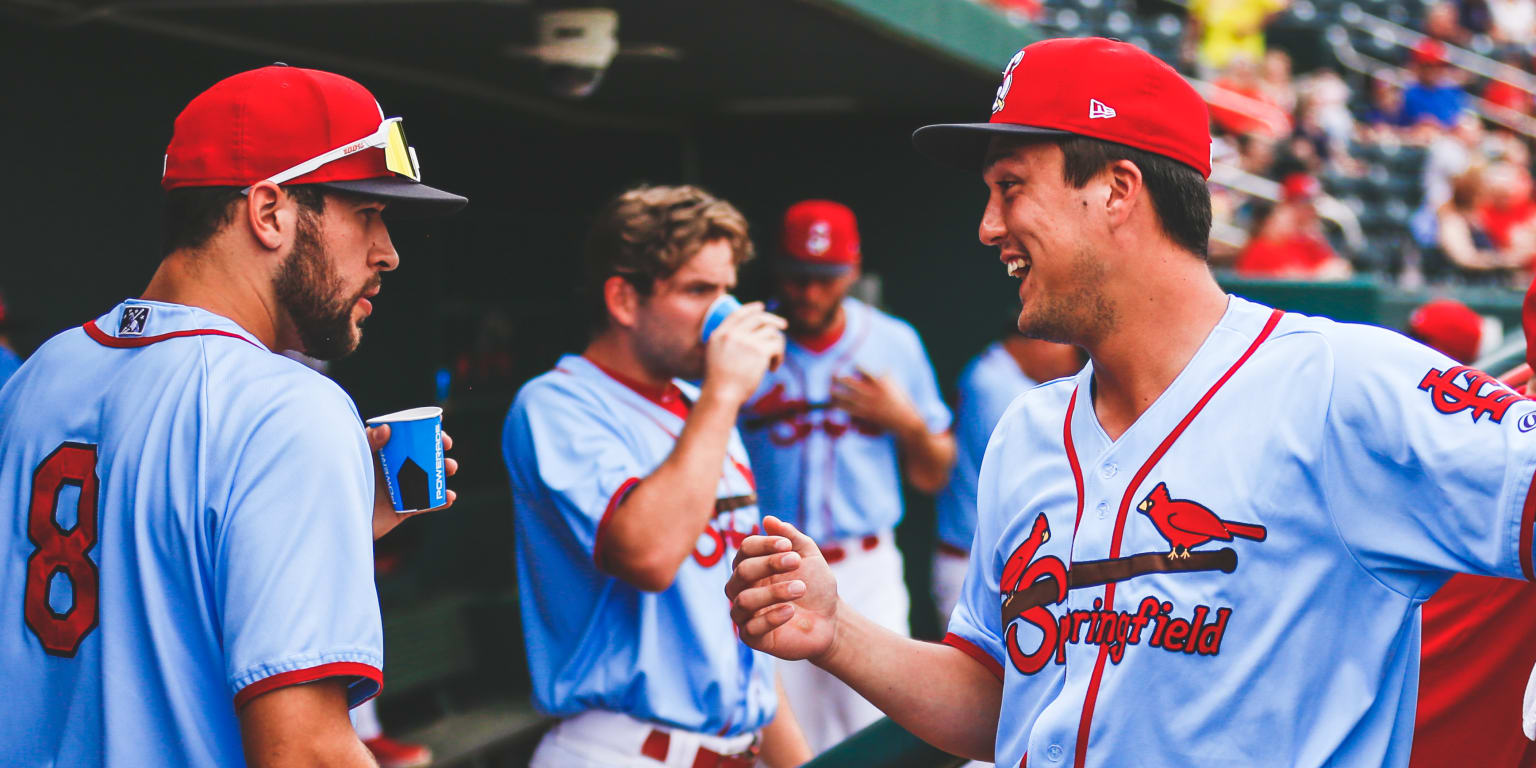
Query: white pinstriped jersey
x,y
1236,579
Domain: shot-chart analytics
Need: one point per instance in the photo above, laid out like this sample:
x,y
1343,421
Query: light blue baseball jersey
x,y
1248,559
9,363
576,441
186,525
987,386
833,477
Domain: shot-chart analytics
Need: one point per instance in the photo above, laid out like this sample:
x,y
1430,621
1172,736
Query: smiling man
x,y
1209,547
188,516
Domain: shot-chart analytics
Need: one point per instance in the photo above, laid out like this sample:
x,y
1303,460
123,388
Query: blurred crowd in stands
x,y
1403,150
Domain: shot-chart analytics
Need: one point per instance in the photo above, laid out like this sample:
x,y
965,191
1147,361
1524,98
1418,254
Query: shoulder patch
x,y
1480,393
135,318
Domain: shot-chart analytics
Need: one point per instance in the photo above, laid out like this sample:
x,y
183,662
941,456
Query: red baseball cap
x,y
1449,326
1429,51
1300,186
1089,86
258,124
820,238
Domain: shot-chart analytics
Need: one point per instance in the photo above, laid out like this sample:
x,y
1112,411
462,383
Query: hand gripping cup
x,y
413,458
717,313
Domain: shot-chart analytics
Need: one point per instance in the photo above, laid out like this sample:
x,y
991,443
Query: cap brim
x,y
812,268
406,198
964,145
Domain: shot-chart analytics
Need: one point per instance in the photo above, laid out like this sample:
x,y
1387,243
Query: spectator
x,y
1509,213
1450,156
1441,22
1514,21
1461,236
1474,17
1448,326
1435,93
1277,81
1226,28
1289,242
1246,107
1378,122
1506,94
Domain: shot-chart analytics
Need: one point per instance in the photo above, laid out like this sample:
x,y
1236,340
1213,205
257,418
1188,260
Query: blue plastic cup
x,y
717,313
413,458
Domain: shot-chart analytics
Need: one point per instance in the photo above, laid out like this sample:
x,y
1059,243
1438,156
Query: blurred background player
x,y
1449,326
9,360
186,514
633,491
988,384
853,410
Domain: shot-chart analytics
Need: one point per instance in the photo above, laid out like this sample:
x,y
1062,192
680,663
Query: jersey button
x,y
1103,509
1054,753
1109,470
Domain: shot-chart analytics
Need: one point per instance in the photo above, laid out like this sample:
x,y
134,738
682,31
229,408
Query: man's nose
x,y
992,231
381,253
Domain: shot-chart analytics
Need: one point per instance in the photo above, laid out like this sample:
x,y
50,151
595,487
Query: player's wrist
x,y
831,657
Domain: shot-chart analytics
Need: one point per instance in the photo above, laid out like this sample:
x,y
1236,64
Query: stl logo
x,y
133,321
1002,90
1451,398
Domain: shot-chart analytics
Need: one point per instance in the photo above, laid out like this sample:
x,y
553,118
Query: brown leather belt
x,y
733,503
659,742
953,551
835,553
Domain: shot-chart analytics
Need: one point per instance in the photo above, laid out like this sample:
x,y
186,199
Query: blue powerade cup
x,y
413,459
717,313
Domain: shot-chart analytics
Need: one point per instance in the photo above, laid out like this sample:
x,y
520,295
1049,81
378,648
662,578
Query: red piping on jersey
x,y
668,397
103,338
1085,723
309,675
602,522
1077,470
823,341
969,648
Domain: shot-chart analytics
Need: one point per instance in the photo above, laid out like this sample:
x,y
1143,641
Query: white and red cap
x,y
820,237
1090,86
251,126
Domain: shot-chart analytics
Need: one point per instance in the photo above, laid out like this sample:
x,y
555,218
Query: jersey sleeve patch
x,y
972,650
366,680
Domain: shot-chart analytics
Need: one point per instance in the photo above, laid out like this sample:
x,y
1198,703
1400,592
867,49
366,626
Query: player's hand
x,y
783,595
878,400
385,518
740,351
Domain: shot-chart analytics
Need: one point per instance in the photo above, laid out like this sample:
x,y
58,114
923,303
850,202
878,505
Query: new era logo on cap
x,y
1098,109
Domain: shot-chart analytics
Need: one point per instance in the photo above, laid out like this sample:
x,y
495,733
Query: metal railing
x,y
1243,182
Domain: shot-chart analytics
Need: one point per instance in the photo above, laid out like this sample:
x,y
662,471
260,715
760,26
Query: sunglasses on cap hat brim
x,y
404,192
964,145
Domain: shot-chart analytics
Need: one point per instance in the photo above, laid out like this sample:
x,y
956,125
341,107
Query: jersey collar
x,y
139,323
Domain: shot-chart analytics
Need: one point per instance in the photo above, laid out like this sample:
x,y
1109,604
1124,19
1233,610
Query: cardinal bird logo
x,y
1187,524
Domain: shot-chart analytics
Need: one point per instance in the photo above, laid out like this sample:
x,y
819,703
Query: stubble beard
x,y
664,359
1076,315
310,293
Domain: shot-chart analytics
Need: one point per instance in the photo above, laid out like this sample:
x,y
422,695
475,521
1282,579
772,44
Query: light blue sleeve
x,y
1426,473
977,617
921,383
293,567
561,447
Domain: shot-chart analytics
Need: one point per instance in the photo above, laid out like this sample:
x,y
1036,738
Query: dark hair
x,y
648,233
193,215
1179,192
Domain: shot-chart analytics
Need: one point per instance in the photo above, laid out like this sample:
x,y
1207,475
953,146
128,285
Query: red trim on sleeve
x,y
1527,519
602,523
969,648
309,675
101,337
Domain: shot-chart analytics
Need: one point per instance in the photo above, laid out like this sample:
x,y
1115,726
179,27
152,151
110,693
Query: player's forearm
x,y
927,457
784,743
941,695
656,527
302,726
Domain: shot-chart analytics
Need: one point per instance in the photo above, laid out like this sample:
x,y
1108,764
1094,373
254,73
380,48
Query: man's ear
x,y
1124,183
269,214
622,299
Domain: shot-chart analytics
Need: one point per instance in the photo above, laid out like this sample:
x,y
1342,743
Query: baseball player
x,y
854,407
632,491
1211,544
185,551
1003,371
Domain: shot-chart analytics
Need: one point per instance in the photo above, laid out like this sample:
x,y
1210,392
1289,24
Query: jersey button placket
x,y
1109,470
1054,753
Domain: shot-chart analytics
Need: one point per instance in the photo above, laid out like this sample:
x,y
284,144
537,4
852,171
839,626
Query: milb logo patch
x,y
133,321
1481,394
